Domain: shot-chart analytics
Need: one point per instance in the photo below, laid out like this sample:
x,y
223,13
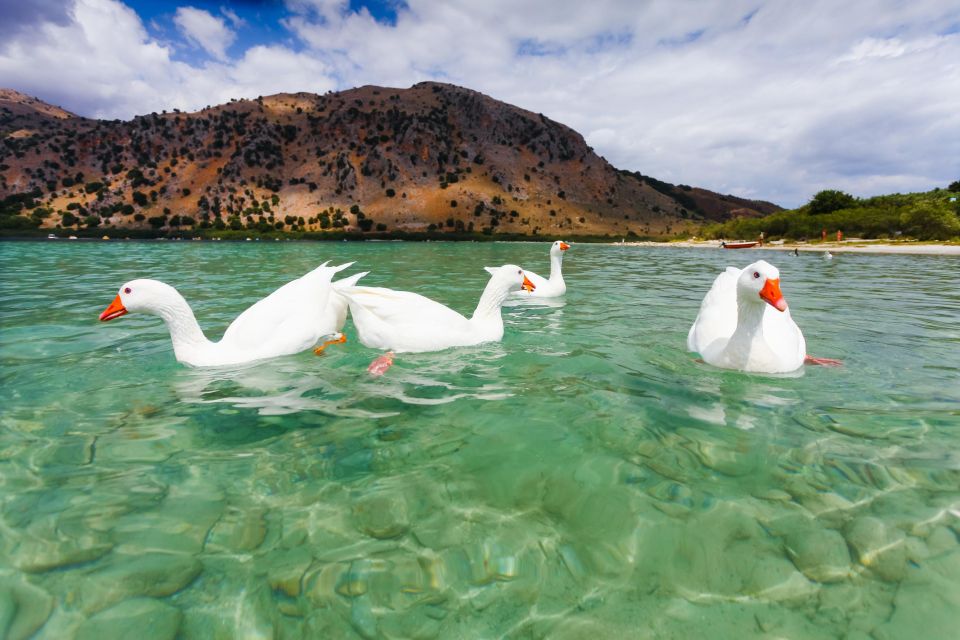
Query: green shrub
x,y
18,222
929,222
925,216
830,200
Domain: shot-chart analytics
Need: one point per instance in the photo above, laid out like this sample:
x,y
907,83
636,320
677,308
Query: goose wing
x,y
293,310
401,307
718,312
784,337
403,321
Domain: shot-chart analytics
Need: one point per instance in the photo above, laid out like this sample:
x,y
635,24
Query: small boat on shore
x,y
738,245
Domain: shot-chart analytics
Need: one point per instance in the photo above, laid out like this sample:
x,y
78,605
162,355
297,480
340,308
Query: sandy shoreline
x,y
847,246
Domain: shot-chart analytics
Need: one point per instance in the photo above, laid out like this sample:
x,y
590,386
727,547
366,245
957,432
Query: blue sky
x,y
259,24
760,98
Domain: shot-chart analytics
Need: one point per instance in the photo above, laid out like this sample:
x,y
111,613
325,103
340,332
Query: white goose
x,y
744,323
335,313
554,286
404,321
291,319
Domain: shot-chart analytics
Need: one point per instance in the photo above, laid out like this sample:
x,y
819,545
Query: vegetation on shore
x,y
931,215
117,233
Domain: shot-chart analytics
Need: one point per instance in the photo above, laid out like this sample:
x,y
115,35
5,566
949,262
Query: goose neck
x,y
749,318
490,303
556,263
185,331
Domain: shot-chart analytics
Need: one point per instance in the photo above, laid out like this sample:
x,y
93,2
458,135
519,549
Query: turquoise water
x,y
585,478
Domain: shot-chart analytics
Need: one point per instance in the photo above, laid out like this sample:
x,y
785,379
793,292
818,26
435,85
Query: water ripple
x,y
585,477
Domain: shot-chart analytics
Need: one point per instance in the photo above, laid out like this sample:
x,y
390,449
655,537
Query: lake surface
x,y
585,478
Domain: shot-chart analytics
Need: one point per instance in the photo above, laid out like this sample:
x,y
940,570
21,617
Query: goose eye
x,y
756,274
128,290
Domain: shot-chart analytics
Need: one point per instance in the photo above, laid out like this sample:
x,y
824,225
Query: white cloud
x,y
102,63
205,30
232,16
737,96
887,48
760,98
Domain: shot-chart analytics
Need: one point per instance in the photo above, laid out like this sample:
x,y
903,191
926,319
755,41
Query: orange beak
x,y
527,285
771,294
564,246
115,310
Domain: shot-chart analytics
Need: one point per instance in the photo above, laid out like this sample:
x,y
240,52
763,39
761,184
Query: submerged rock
x,y
927,603
129,445
151,574
180,524
38,554
24,608
287,568
237,531
941,539
820,554
362,618
135,618
878,547
382,515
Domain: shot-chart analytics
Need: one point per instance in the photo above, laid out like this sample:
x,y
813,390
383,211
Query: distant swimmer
x,y
796,251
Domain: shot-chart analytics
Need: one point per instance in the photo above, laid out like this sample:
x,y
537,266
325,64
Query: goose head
x,y
760,282
149,296
558,248
509,277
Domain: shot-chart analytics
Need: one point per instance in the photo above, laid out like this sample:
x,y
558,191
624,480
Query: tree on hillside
x,y
830,200
954,186
926,221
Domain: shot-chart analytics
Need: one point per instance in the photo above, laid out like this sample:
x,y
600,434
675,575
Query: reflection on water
x,y
281,386
585,477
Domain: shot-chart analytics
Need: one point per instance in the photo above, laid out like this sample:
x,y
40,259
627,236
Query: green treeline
x,y
934,215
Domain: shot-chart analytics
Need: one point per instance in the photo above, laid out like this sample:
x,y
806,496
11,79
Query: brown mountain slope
x,y
433,156
16,103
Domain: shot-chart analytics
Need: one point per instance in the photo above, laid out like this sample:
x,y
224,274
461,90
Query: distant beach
x,y
847,246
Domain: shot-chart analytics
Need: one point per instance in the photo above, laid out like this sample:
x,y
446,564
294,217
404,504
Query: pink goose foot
x,y
823,362
379,366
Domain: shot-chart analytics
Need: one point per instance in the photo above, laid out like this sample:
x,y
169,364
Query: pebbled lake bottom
x,y
585,478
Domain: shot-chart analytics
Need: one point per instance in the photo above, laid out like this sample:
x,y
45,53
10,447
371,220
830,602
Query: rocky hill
x,y
434,157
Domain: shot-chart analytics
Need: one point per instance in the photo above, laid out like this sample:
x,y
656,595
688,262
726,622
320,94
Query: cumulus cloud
x,y
18,15
759,98
103,63
205,30
232,16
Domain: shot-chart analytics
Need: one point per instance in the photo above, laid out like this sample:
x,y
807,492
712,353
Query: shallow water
x,y
586,477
